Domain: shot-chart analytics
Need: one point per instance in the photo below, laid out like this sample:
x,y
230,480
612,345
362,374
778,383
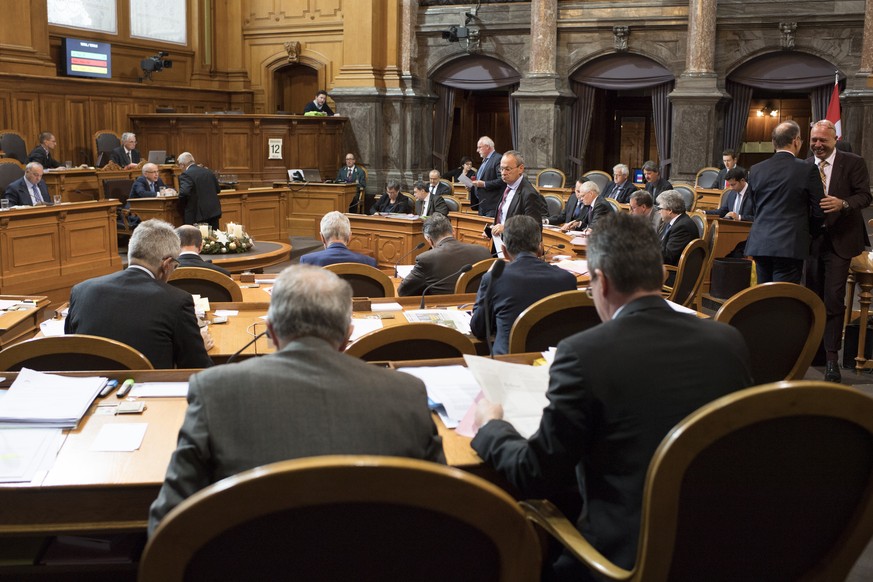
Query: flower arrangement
x,y
232,241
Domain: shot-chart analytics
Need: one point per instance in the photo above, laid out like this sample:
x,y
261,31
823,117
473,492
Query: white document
x,y
24,451
364,326
454,387
680,308
404,270
226,312
498,246
7,303
519,388
577,267
52,327
201,304
269,281
393,306
453,318
160,390
48,400
123,437
463,179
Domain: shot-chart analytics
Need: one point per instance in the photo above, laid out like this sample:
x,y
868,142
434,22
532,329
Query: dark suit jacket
x,y
358,176
18,193
567,215
311,106
747,210
336,252
41,156
787,194
131,307
119,156
655,188
198,191
140,188
599,208
489,195
681,233
438,205
526,201
401,205
850,181
447,257
195,260
306,400
525,280
607,414
721,182
621,193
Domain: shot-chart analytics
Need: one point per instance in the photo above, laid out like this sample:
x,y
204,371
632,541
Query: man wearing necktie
x,y
42,154
519,195
149,184
351,173
126,155
488,188
29,190
435,187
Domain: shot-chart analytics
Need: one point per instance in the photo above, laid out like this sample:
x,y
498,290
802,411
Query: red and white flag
x,y
834,109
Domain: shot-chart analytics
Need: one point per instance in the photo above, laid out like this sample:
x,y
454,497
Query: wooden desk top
x,y
19,325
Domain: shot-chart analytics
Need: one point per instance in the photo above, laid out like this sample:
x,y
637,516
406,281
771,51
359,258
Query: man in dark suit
x,y
319,104
429,202
137,307
593,207
488,186
352,173
620,188
447,256
787,193
678,229
336,232
42,154
519,195
191,240
126,155
435,186
846,193
729,159
525,280
573,209
305,400
149,184
738,203
30,189
608,413
655,184
198,192
392,202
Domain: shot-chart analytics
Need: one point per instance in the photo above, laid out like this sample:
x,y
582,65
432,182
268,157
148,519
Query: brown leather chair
x,y
72,352
366,281
104,142
687,277
546,322
551,178
13,146
419,341
207,283
10,170
469,282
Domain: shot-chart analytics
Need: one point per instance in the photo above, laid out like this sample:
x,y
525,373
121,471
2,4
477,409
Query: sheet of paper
x,y
124,437
364,326
463,179
577,267
681,308
7,303
160,390
226,312
454,387
393,306
269,281
519,388
404,270
52,327
453,318
201,304
24,451
48,400
498,246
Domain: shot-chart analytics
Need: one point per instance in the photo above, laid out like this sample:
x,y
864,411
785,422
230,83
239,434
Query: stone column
x,y
696,98
543,36
857,103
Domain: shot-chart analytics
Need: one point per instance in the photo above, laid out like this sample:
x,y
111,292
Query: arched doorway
x,y
295,85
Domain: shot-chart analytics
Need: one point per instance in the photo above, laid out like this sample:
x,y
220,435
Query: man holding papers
x,y
306,399
610,404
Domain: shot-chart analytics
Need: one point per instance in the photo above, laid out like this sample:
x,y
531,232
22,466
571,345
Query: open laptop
x,y
305,175
157,156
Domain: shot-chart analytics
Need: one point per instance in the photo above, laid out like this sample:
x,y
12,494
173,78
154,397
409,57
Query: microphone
x,y
463,269
496,272
555,246
418,247
239,351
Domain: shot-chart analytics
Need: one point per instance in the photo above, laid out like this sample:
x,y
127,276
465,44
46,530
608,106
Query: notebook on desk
x,y
157,156
305,175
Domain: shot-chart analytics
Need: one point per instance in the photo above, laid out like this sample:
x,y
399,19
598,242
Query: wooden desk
x,y
711,198
469,227
389,240
16,326
309,202
83,184
45,250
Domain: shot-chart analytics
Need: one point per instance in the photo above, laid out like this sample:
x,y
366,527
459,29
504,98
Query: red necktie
x,y
500,207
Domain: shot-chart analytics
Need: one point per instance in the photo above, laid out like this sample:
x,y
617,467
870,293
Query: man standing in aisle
x,y
198,192
488,185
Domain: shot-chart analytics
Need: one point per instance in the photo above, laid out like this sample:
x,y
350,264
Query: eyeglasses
x,y
502,169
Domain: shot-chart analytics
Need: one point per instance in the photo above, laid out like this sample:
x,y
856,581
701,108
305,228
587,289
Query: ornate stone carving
x,y
620,34
788,30
292,47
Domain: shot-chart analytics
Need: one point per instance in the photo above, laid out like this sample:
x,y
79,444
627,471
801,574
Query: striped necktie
x,y
821,172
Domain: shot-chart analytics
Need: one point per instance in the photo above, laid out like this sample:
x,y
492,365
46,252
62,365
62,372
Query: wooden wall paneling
x,y
199,142
6,110
101,116
121,109
275,170
30,251
78,123
237,149
53,117
264,215
231,210
26,117
85,237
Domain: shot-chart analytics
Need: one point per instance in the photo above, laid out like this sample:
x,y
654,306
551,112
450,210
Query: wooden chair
x,y
207,283
72,352
452,202
782,324
551,319
469,282
706,178
551,178
599,177
710,240
13,146
688,275
361,198
366,281
617,206
104,142
345,518
10,170
768,483
688,195
699,218
555,203
421,341
119,189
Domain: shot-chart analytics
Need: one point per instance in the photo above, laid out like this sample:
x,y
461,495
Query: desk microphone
x,y
239,351
417,247
457,273
496,272
557,246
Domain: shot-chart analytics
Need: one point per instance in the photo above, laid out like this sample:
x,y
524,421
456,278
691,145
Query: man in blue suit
x,y
30,189
737,204
336,231
787,193
149,184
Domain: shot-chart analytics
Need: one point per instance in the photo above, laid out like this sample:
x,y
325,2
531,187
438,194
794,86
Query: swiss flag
x,y
834,111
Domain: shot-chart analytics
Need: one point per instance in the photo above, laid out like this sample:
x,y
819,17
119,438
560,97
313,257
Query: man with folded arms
x,y
447,256
336,232
607,412
307,399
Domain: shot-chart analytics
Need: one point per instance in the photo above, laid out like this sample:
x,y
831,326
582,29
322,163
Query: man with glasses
x,y
641,204
126,155
608,411
678,229
787,193
519,195
137,307
149,184
30,189
620,188
351,173
488,186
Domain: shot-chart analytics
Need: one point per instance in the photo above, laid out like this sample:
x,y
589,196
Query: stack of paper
x,y
48,401
23,452
455,319
450,389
